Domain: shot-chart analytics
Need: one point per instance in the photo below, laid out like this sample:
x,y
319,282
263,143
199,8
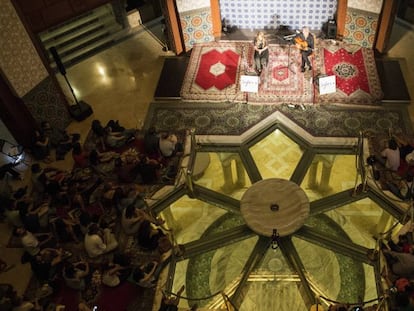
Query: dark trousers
x,y
305,58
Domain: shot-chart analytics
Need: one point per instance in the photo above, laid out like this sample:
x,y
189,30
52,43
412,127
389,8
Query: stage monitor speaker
x,y
331,30
81,111
57,60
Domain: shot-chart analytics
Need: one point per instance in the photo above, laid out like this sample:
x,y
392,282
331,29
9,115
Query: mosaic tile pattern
x,y
360,27
270,14
44,103
19,60
197,27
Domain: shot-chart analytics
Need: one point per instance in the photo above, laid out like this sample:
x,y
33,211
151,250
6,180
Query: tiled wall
x,y
19,60
197,26
24,70
360,27
270,14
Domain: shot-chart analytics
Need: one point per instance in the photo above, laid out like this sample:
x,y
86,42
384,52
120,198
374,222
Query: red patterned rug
x,y
215,68
282,81
213,73
357,80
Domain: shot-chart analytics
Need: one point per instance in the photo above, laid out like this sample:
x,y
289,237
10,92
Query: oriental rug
x,y
215,69
213,72
357,80
318,120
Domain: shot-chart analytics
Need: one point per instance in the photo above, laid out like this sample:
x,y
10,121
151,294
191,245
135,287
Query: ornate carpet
x,y
215,69
354,67
318,120
214,72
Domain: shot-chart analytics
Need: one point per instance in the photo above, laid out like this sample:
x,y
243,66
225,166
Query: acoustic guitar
x,y
301,44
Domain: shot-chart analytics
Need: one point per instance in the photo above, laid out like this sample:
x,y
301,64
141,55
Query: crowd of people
x,y
73,224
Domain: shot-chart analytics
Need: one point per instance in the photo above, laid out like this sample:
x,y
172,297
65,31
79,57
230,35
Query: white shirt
x,y
94,245
393,158
30,243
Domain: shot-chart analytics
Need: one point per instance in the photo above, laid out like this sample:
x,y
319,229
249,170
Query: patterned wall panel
x,y
197,27
44,103
19,60
373,6
270,14
360,27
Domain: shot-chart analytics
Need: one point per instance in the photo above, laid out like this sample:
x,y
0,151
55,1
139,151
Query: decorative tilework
x,y
197,27
270,14
45,103
360,27
19,60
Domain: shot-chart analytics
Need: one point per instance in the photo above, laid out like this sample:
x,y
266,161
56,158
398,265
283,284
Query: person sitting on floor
x,y
151,142
148,169
118,139
144,274
167,144
74,274
80,157
390,156
98,241
111,274
33,243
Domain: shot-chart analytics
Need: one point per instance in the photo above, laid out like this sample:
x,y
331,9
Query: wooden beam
x,y
341,10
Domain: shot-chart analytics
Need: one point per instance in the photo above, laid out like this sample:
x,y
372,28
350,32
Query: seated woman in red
x,y
80,157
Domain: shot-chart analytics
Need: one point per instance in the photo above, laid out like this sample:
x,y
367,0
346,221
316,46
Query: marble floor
x,y
119,83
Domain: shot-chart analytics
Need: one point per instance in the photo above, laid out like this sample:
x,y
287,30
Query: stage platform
x,y
174,69
392,82
171,78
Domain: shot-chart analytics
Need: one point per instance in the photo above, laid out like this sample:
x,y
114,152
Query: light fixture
x,y
274,243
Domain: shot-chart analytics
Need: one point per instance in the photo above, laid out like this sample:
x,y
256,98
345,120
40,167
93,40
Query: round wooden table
x,y
274,204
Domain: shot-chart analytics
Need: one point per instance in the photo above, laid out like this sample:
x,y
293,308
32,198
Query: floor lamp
x,y
81,110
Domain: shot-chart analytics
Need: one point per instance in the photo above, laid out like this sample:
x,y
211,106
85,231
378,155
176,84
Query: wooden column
x,y
385,23
216,17
341,10
173,25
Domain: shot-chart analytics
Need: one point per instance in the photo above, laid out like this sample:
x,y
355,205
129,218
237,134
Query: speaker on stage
x,y
331,29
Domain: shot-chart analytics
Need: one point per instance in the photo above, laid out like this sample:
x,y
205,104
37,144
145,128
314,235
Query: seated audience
x,y
118,139
100,133
403,188
111,275
144,274
126,172
41,147
46,264
167,144
98,241
80,157
75,274
148,169
390,156
151,142
32,243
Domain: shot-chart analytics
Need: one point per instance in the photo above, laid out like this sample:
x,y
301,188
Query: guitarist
x,y
305,43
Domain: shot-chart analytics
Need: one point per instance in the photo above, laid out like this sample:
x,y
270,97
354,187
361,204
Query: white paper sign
x,y
327,85
249,84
